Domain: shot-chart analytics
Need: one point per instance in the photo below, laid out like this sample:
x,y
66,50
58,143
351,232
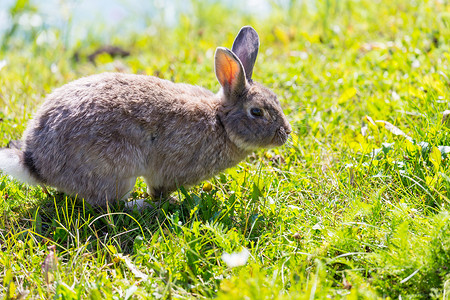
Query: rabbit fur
x,y
94,136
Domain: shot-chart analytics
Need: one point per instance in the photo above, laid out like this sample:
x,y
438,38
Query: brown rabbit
x,y
94,136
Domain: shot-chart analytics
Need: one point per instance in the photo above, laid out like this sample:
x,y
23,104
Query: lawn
x,y
355,205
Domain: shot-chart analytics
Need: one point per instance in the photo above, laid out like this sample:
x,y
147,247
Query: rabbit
x,y
94,136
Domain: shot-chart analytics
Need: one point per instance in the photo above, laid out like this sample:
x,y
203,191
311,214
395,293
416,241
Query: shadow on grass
x,y
68,222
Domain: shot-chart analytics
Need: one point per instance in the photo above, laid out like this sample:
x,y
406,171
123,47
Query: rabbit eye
x,y
256,112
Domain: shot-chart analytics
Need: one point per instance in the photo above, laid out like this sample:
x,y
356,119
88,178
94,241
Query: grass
x,y
348,208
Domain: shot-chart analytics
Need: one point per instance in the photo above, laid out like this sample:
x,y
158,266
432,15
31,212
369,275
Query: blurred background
x,y
74,21
79,20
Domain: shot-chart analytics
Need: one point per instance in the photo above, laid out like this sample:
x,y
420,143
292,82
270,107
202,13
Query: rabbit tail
x,y
13,163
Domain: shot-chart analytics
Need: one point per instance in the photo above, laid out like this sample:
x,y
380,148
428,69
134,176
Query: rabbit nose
x,y
288,129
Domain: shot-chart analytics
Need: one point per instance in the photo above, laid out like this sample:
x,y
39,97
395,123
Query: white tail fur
x,y
11,164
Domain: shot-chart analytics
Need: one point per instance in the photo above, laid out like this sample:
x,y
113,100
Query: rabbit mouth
x,y
280,137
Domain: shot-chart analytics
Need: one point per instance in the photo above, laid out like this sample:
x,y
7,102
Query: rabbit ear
x,y
245,46
229,71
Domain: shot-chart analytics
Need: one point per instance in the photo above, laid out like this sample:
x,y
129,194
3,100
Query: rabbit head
x,y
251,113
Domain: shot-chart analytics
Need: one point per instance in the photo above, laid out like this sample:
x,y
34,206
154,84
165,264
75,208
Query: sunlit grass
x,y
346,208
